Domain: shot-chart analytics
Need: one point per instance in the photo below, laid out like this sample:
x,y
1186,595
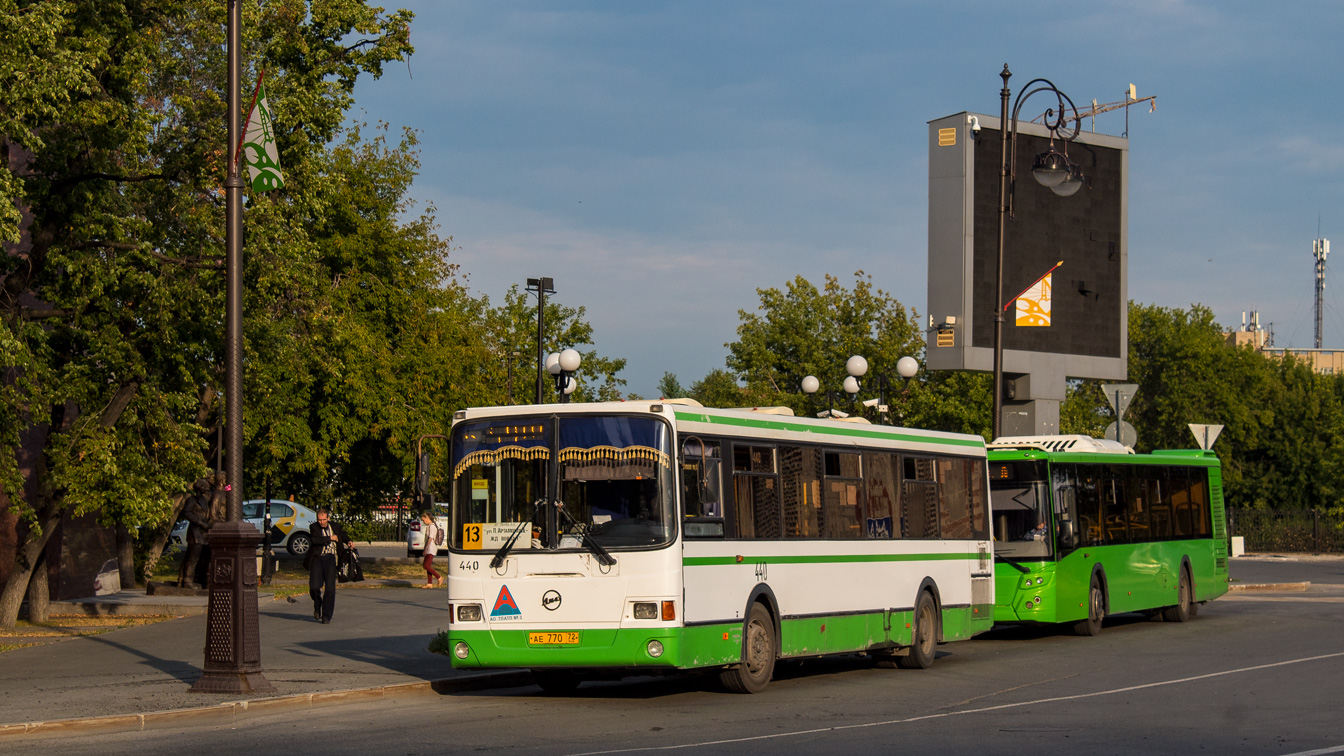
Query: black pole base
x,y
232,643
233,683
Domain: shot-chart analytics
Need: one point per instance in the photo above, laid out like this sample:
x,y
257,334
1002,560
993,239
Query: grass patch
x,y
439,644
74,626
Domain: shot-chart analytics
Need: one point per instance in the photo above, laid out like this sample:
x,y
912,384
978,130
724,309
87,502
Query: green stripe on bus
x,y
855,432
827,559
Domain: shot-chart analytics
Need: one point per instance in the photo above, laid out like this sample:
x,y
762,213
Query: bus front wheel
x,y
1181,611
758,655
1096,610
924,643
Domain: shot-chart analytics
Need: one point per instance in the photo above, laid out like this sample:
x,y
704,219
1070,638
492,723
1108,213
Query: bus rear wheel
x,y
1096,610
1181,611
924,640
758,655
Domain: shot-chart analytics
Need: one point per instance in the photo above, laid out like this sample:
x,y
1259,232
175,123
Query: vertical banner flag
x,y
260,153
1033,304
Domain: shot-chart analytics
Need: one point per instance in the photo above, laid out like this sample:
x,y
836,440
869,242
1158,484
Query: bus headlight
x,y
460,650
655,648
646,610
469,613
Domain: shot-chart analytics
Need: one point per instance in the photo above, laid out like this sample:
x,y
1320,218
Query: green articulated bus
x,y
1085,528
598,540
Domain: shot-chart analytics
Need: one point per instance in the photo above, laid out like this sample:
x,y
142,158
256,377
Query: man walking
x,y
321,562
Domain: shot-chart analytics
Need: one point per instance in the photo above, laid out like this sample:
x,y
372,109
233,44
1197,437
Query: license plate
x,y
567,638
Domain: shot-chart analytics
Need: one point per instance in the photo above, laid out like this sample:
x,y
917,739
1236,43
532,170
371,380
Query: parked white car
x,y
291,524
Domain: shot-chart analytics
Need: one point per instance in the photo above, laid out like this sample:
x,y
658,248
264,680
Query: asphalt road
x,y
1259,673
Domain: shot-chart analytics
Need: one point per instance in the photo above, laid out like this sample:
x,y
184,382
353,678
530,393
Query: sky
x,y
662,161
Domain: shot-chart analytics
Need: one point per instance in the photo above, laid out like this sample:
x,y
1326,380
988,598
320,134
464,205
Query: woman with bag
x,y
433,537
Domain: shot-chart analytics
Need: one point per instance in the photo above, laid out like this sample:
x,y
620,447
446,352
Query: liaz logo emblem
x,y
551,600
505,606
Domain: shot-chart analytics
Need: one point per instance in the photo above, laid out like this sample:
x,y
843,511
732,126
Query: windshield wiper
x,y
504,550
1015,565
513,537
603,556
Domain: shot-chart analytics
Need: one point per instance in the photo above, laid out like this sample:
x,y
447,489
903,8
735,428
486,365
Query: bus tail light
x,y
669,611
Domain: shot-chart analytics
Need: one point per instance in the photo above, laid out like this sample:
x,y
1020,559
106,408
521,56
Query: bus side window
x,y
756,511
1159,504
919,498
701,488
841,503
1087,495
1066,507
800,490
879,472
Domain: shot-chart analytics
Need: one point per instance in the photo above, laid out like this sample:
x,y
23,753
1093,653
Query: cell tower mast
x,y
1320,248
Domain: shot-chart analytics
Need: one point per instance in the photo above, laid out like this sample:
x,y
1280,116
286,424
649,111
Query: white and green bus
x,y
599,540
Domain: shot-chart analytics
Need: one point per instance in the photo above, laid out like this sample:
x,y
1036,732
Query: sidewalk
x,y
137,677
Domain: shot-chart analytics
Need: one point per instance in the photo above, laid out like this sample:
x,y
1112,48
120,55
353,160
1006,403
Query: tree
x,y
718,389
111,299
511,329
1280,445
804,330
669,387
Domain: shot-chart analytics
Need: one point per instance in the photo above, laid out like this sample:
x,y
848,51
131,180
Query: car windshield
x,y
613,481
1021,502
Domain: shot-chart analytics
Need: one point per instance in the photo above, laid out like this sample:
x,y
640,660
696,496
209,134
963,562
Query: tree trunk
x,y
156,547
126,556
25,561
39,592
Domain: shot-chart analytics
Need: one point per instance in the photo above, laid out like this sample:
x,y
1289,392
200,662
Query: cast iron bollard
x,y
232,642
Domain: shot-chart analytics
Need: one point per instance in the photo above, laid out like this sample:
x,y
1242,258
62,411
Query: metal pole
x,y
267,555
998,271
541,340
232,645
1316,530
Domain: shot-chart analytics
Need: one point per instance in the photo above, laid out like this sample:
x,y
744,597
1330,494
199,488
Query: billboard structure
x,y
1069,324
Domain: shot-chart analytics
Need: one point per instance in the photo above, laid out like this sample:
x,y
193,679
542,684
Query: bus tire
x,y
924,637
1096,610
758,654
1181,611
556,681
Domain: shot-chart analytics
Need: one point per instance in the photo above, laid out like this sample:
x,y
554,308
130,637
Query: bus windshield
x,y
1020,498
614,483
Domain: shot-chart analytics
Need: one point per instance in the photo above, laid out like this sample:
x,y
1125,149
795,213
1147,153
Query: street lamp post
x,y
542,287
232,661
857,367
1052,169
562,365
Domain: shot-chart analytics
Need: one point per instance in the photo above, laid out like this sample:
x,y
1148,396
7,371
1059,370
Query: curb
x,y
236,711
1269,586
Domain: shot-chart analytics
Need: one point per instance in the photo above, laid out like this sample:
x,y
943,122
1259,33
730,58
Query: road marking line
x,y
982,710
1318,752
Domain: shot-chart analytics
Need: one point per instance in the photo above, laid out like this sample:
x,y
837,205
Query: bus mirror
x,y
422,474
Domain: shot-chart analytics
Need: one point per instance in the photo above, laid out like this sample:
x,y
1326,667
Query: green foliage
x,y
511,334
669,387
1281,442
804,330
718,389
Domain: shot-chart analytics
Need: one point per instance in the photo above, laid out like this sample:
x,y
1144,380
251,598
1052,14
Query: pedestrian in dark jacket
x,y
321,561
